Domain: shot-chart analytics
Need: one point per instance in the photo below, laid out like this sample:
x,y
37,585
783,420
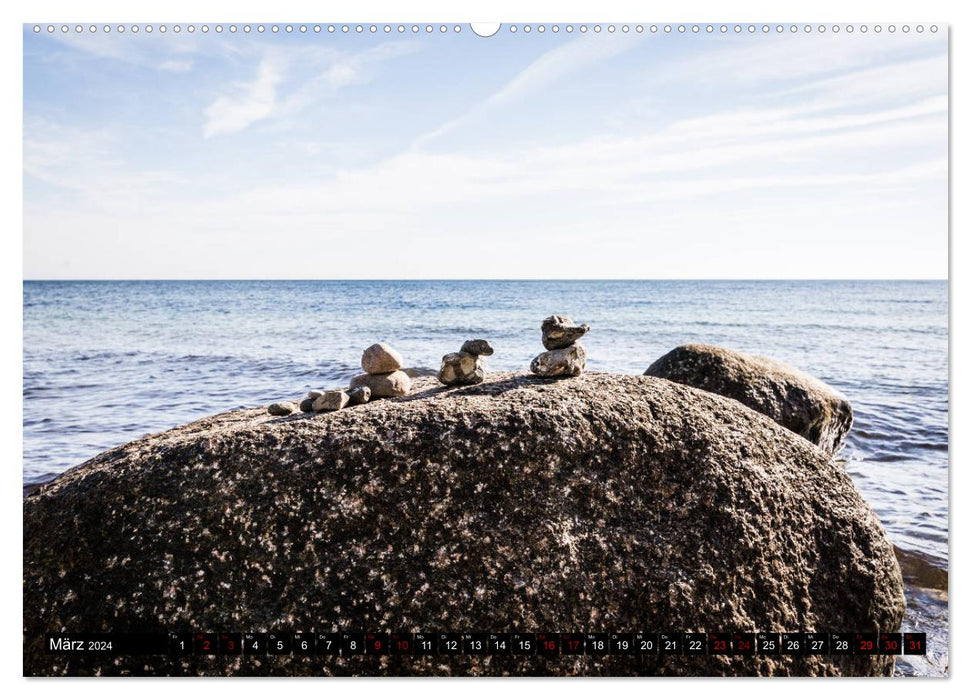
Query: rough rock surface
x,y
477,346
460,368
381,358
283,408
563,362
383,385
605,503
791,398
561,331
331,400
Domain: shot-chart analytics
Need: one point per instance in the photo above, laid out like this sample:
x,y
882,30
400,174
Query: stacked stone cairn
x,y
383,377
564,356
465,366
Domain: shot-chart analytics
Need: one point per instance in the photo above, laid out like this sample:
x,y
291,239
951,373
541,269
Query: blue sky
x,y
453,156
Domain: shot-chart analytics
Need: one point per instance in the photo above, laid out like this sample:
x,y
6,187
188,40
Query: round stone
x,y
283,408
381,358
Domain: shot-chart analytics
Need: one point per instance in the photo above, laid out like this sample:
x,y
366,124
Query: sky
x,y
448,155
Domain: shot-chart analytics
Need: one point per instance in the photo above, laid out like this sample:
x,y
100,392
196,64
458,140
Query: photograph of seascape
x,y
317,352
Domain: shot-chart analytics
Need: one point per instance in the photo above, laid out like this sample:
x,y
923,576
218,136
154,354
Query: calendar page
x,y
512,349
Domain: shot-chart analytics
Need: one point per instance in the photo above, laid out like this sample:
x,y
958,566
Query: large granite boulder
x,y
603,503
793,399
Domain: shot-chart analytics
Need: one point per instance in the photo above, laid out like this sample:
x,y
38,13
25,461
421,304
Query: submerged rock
x,y
383,385
604,503
561,331
331,400
563,362
381,358
790,397
461,368
283,408
477,346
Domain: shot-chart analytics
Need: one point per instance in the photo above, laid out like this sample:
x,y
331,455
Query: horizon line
x,y
487,279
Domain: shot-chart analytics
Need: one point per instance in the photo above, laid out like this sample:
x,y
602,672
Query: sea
x,y
108,362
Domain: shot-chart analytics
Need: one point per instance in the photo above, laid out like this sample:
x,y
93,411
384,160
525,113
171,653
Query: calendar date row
x,y
489,643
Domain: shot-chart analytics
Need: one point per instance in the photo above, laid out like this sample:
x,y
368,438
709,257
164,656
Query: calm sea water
x,y
107,362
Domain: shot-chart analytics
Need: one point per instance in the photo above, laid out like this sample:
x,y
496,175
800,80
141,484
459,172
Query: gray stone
x,y
477,346
359,395
383,385
569,361
461,368
561,331
307,405
381,358
607,502
283,408
790,397
314,393
331,401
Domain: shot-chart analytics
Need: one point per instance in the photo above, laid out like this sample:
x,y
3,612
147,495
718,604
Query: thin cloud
x,y
333,71
888,82
312,75
548,68
763,60
158,51
175,66
251,102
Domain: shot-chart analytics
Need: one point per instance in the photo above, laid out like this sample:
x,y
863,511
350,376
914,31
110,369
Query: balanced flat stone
x,y
461,368
331,401
478,346
563,362
608,502
796,400
381,358
383,385
561,331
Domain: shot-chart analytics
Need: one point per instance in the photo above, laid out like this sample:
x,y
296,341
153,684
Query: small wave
x,y
888,457
104,355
